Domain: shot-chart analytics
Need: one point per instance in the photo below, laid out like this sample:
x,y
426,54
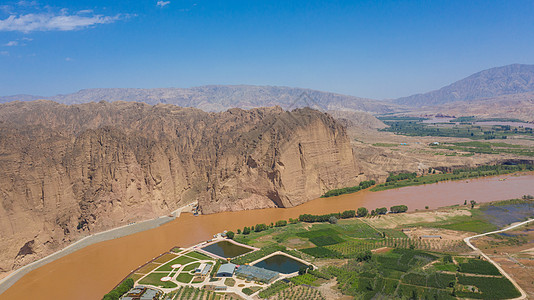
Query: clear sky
x,y
375,49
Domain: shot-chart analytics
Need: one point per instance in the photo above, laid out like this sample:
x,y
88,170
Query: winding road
x,y
467,240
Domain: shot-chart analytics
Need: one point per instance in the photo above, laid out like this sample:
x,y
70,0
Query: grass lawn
x,y
147,268
136,277
164,258
199,255
154,279
191,267
182,260
184,277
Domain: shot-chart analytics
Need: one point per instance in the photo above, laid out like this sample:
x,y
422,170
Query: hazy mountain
x,y
511,79
216,98
519,106
20,97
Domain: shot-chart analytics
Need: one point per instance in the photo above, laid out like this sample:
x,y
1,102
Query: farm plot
x,y
478,266
322,252
435,280
350,248
486,288
357,229
308,279
404,259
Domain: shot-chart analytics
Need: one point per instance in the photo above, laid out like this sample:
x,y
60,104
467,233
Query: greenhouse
x,y
256,274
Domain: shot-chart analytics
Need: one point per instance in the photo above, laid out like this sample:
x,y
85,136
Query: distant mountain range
x,y
507,80
216,98
496,82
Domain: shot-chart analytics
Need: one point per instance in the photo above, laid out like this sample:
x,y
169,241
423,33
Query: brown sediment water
x,y
91,272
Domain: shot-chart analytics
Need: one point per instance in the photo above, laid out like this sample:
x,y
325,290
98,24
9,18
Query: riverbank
x,y
125,230
460,174
104,264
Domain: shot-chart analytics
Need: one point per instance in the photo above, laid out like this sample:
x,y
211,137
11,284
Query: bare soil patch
x,y
329,290
400,220
445,234
298,243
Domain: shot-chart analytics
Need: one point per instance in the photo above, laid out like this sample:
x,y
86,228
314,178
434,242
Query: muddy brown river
x,y
91,272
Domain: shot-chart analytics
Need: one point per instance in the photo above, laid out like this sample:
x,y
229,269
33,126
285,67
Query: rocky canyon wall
x,y
72,170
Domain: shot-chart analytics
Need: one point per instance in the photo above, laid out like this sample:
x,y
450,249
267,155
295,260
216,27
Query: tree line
x,y
348,190
309,218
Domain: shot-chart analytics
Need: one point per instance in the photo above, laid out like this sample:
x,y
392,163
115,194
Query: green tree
x,y
230,235
281,223
362,212
246,230
381,210
332,220
348,214
398,208
364,255
260,227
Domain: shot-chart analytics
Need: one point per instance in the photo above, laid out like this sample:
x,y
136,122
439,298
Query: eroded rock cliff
x,y
68,171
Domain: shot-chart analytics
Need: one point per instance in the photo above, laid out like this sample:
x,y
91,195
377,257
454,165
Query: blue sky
x,y
375,49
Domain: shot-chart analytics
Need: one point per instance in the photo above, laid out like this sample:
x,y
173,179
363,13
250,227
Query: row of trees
x,y
120,290
261,227
348,190
401,176
361,212
332,218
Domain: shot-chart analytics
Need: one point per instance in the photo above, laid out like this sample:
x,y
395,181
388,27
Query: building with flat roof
x,y
226,270
142,293
256,274
203,269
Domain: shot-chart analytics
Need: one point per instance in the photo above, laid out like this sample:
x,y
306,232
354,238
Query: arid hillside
x,y
68,171
486,84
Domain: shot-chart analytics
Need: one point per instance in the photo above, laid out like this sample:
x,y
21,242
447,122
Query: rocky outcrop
x,y
68,171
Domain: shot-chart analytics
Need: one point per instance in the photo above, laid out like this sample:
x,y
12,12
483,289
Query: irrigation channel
x,y
91,272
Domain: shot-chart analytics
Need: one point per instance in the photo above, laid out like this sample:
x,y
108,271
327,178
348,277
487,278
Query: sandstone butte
x,y
72,170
